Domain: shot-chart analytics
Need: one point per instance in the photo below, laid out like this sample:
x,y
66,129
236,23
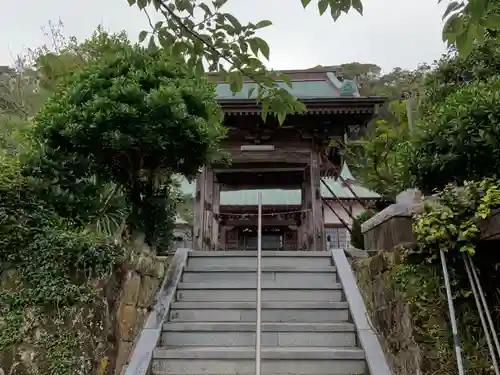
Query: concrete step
x,y
296,284
241,361
273,334
300,312
265,253
243,292
325,267
237,259
321,276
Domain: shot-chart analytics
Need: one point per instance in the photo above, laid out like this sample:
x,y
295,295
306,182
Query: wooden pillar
x,y
199,210
222,237
306,227
216,212
209,215
206,225
317,220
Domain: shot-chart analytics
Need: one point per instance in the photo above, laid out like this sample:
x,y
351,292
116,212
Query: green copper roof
x,y
319,85
281,197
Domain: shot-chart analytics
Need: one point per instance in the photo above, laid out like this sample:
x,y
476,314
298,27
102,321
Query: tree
x,y
135,119
456,138
460,140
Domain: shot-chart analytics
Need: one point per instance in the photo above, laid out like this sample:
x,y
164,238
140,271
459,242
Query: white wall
x,y
330,218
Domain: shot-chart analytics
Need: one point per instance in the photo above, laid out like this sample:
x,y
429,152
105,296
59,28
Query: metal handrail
x,y
259,287
453,319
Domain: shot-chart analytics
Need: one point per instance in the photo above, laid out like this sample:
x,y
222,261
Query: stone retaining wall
x,y
140,286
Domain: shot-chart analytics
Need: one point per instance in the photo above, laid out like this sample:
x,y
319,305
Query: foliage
x,y
357,239
379,158
453,224
68,55
454,71
46,263
459,140
449,223
422,287
130,119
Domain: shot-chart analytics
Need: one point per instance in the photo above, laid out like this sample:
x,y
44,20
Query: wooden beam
x,y
266,222
258,170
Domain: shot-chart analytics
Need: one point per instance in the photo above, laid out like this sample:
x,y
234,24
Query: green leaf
x,y
235,80
131,2
322,6
335,13
199,69
179,48
492,21
262,24
454,5
142,36
358,5
234,22
219,3
452,28
250,92
205,8
477,8
265,109
281,117
285,79
142,4
152,44
158,25
464,41
263,47
305,3
254,46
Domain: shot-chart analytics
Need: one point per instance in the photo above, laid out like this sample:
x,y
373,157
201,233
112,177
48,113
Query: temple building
x,y
308,193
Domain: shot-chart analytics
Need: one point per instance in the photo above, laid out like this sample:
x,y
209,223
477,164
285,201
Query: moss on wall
x,y
94,336
408,308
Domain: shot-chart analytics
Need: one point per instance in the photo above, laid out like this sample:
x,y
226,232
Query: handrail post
x,y
259,287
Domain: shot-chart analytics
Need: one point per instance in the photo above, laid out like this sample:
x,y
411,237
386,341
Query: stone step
x,y
246,291
251,260
300,312
325,267
273,334
268,295
296,284
265,253
241,361
267,275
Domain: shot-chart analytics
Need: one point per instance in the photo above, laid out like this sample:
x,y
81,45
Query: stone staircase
x,y
311,322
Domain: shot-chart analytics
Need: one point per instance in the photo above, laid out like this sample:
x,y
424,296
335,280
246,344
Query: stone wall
x,y
141,283
414,331
105,328
389,312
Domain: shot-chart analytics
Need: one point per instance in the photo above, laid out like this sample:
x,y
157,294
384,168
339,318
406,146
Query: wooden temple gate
x,y
266,155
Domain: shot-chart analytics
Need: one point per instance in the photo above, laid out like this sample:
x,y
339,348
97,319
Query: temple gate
x,y
290,157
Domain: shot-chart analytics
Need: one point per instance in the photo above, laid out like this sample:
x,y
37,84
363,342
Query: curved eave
x,y
340,105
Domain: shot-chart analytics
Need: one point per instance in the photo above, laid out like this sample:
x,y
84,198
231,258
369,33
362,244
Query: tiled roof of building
x,y
305,85
281,197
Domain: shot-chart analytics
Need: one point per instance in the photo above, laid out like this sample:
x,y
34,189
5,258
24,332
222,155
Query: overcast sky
x,y
391,33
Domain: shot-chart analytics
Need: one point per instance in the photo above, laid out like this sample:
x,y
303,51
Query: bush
x,y
460,140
